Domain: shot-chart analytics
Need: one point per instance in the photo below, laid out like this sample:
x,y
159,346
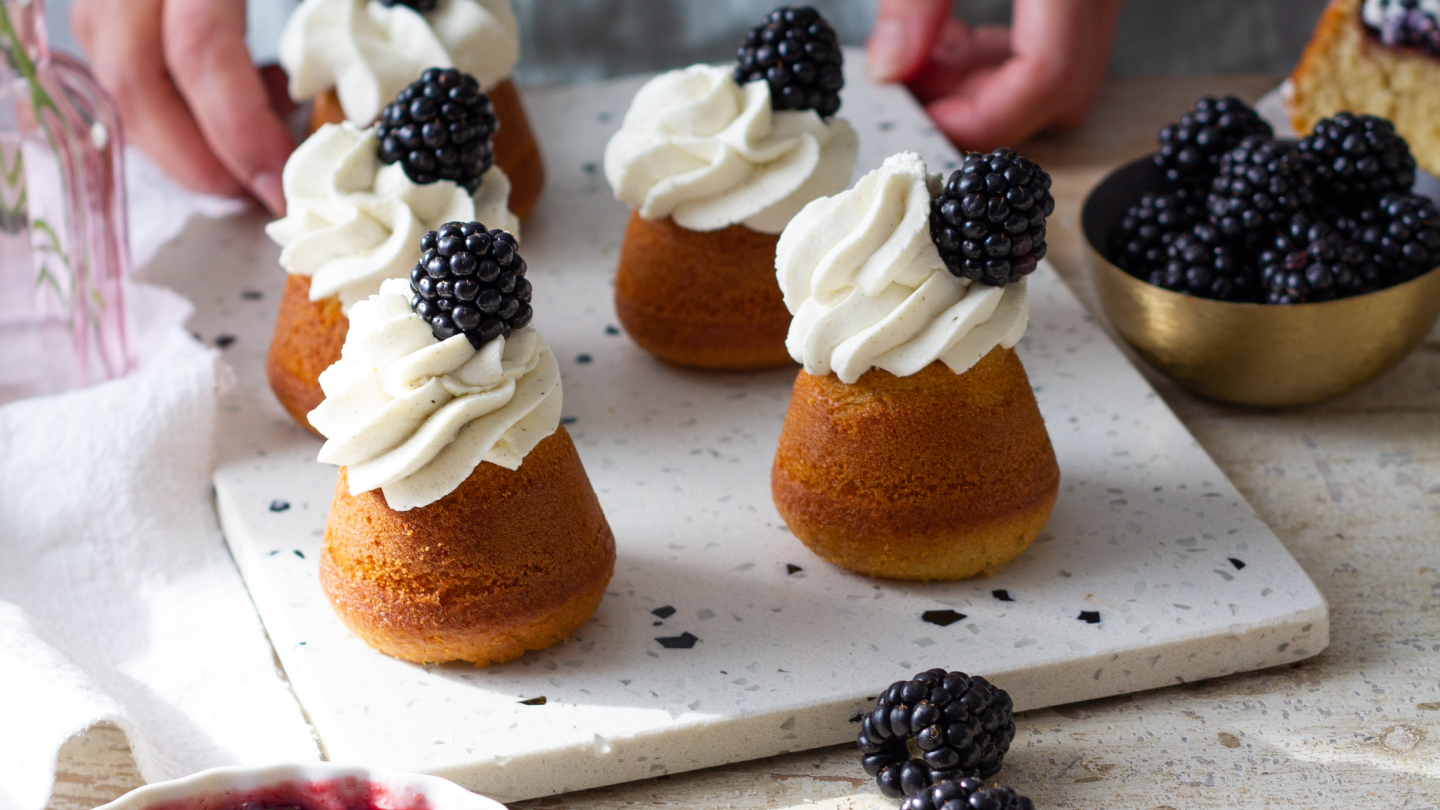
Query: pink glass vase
x,y
63,253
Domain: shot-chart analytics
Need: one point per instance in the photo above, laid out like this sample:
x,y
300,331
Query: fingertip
x,y
886,57
269,190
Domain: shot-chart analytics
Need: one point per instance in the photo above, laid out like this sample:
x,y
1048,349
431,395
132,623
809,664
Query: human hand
x,y
995,85
188,93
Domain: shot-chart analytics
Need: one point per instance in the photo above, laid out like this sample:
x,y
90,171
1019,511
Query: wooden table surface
x,y
1351,486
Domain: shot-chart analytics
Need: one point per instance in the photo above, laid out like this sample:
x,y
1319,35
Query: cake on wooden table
x,y
356,208
714,161
350,57
1375,57
463,526
913,447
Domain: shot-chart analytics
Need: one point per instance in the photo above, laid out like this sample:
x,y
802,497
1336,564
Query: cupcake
x,y
714,162
352,56
913,447
353,220
463,526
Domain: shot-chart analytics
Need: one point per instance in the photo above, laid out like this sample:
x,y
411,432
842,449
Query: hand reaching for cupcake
x,y
992,85
188,92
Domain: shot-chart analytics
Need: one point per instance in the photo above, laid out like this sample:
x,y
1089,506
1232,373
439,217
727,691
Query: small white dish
x,y
312,786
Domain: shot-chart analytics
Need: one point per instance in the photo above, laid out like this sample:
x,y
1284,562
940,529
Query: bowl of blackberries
x,y
1267,271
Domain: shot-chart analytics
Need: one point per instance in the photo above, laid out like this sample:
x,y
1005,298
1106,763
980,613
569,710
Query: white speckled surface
x,y
1148,534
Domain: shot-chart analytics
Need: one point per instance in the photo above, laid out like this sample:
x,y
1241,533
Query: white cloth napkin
x,y
118,598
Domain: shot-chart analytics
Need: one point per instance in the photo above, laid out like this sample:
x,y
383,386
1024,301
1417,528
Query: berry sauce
x,y
348,793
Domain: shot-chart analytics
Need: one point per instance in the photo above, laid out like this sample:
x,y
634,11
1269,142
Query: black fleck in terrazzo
x,y
224,341
684,641
1002,594
279,505
944,618
1089,616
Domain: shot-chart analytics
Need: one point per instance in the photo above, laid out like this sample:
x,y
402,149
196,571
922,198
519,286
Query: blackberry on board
x,y
988,221
1402,234
1260,184
440,128
422,6
1201,263
1140,240
967,794
1190,148
939,725
470,281
798,53
1357,159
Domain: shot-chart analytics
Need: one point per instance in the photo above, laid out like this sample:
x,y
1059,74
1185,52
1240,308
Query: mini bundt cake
x,y
714,162
913,447
463,525
350,70
356,207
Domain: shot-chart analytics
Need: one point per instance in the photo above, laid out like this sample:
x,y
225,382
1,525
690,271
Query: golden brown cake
x,y
307,340
508,562
713,167
516,151
1345,67
702,299
932,476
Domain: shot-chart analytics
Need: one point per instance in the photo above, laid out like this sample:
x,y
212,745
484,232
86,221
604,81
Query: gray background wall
x,y
568,40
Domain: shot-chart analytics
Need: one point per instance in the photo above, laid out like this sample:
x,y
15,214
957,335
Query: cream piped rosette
x,y
868,289
352,221
700,148
413,415
369,51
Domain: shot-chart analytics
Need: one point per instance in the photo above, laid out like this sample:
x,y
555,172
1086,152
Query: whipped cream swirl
x,y
353,222
699,148
414,416
369,51
868,288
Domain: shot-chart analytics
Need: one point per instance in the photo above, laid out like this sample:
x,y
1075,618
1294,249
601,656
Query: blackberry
x,y
470,280
422,6
1402,232
989,219
1190,148
798,53
1357,159
1310,261
1200,263
967,794
1260,184
439,128
1406,26
1140,239
939,725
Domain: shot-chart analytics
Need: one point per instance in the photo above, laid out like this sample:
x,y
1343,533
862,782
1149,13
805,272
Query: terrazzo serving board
x,y
721,637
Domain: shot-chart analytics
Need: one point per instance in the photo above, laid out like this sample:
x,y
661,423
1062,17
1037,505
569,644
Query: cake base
x,y
516,151
707,300
935,476
508,562
307,340
1344,68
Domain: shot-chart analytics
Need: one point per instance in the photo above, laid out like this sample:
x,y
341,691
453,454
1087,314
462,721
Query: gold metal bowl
x,y
1265,355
